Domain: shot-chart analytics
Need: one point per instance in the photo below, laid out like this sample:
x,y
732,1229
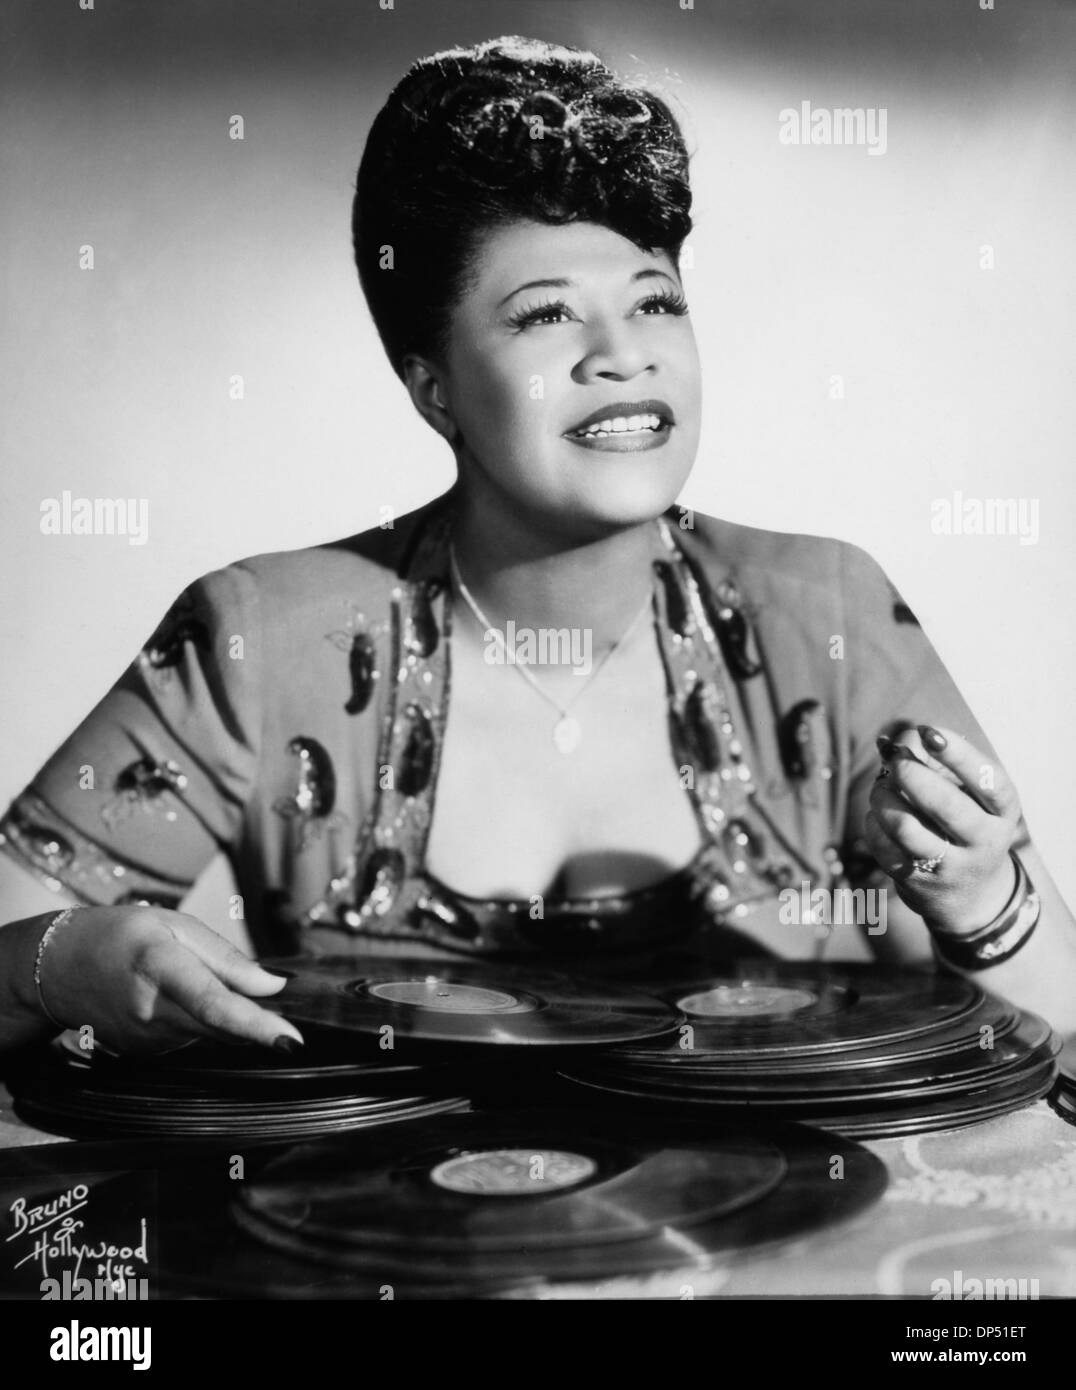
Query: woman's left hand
x,y
937,787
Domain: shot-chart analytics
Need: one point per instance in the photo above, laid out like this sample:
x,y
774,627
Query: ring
x,y
930,866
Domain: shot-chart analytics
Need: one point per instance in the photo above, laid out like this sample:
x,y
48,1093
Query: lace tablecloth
x,y
985,1211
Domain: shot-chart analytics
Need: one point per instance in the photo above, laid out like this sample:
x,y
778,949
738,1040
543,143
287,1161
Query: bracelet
x,y
46,936
999,939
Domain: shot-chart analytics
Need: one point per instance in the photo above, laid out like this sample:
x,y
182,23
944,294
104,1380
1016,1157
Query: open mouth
x,y
621,424
625,426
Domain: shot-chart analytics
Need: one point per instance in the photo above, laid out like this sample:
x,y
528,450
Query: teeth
x,y
621,424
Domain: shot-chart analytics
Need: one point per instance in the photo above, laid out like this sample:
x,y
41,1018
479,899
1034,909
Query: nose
x,y
614,352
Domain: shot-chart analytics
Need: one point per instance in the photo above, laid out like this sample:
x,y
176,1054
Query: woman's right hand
x,y
146,980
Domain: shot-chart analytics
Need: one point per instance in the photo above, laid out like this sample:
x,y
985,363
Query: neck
x,y
523,568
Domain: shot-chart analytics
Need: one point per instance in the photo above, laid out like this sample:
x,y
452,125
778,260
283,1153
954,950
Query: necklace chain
x,y
566,732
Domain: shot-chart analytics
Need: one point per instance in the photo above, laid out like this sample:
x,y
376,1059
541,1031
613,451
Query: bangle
x,y
46,936
999,939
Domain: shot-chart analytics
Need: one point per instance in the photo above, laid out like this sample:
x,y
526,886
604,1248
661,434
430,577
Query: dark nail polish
x,y
933,740
286,1043
885,745
277,974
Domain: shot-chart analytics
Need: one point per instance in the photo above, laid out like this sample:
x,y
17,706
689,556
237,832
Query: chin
x,y
619,506
630,497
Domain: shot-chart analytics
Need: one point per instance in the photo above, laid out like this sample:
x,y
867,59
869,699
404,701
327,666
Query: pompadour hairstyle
x,y
510,129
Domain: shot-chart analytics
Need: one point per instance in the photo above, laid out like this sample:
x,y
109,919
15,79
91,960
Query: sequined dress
x,y
289,711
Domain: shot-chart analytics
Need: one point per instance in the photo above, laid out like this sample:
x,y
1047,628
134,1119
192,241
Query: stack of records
x,y
1064,1097
386,1040
864,1053
487,1204
210,1090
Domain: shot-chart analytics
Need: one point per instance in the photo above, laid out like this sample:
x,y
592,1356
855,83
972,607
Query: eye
x,y
540,313
666,302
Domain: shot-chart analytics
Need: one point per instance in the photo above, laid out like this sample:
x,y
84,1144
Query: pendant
x,y
567,734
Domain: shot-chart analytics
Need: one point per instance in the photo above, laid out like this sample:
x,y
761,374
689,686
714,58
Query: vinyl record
x,y
511,1181
1063,1098
953,1072
89,1120
770,1008
854,1116
198,1251
326,1059
485,1201
950,1112
991,1021
465,1003
68,1092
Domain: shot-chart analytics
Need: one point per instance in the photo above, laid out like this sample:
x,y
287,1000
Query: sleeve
x,y
895,681
138,800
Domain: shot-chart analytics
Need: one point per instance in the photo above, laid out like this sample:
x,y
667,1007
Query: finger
x,y
945,805
170,1027
181,977
905,826
912,740
889,855
164,1028
981,776
239,972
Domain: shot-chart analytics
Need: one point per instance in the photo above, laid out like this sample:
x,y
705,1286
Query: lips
x,y
624,410
624,427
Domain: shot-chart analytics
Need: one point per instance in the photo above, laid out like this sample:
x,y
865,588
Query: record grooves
x,y
464,1003
208,1090
851,1049
668,1196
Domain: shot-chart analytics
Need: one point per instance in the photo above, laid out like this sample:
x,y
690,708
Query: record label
x,y
447,997
513,1172
746,1000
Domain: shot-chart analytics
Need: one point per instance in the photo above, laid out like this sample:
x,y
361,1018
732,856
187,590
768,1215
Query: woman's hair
x,y
474,138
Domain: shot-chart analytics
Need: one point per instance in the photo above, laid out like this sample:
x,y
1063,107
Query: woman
x,y
365,729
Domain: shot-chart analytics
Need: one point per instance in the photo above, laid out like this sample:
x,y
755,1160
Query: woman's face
x,y
572,377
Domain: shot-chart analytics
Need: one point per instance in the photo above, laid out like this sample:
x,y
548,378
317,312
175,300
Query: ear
x,y
425,385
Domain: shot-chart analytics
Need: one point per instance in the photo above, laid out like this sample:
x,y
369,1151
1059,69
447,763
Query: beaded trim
x,y
384,890
60,856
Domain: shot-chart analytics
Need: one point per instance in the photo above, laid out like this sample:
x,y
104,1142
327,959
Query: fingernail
x,y
885,745
276,974
286,1043
933,740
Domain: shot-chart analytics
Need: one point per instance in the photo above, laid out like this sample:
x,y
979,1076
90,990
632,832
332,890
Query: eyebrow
x,y
566,284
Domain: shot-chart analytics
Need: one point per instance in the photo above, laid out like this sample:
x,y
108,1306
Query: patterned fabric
x,y
290,710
